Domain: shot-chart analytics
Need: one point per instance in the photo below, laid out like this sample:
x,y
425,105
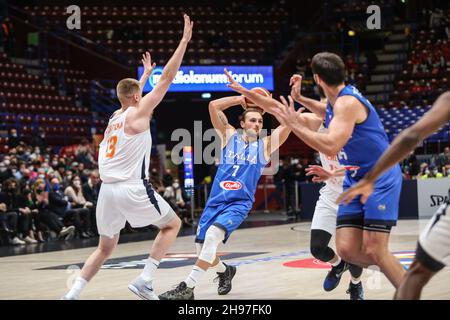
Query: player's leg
x,y
104,250
156,211
206,220
323,227
207,256
432,254
415,279
380,215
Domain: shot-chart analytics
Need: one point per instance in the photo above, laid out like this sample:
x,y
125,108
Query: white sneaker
x,y
143,289
30,240
16,241
66,297
66,230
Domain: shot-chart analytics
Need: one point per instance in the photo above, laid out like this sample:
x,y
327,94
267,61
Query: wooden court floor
x,y
260,254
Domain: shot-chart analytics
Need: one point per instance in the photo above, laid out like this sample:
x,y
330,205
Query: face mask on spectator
x,y
3,169
39,191
56,186
14,135
69,177
7,162
42,176
54,163
176,185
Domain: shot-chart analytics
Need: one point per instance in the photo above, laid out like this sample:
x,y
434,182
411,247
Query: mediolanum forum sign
x,y
212,78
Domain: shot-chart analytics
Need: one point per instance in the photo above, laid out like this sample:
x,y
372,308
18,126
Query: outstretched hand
x,y
233,84
296,84
188,25
287,116
363,188
147,63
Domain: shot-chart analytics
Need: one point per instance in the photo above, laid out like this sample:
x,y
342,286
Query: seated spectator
x,y
45,217
78,202
60,204
9,219
91,189
85,154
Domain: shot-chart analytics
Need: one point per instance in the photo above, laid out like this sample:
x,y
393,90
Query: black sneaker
x,y
334,276
356,291
181,292
225,279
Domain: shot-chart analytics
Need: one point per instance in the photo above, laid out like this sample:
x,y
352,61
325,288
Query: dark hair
x,y
248,110
330,68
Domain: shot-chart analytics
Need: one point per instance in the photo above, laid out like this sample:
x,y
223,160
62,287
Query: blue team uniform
x,y
366,145
233,190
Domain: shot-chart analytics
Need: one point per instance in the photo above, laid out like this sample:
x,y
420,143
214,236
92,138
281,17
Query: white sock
x,y
149,270
194,276
337,262
220,267
356,280
77,286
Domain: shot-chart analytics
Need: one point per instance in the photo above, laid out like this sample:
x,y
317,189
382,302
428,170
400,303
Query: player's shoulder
x,y
346,102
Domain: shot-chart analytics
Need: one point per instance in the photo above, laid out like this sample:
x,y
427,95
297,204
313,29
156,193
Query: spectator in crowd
x,y
443,160
9,217
85,154
13,139
78,202
91,190
45,217
38,141
167,179
5,172
60,204
173,194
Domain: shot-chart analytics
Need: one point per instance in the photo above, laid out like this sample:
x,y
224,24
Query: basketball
x,y
261,91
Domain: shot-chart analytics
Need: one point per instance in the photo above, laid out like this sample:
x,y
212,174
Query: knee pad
x,y
319,245
213,237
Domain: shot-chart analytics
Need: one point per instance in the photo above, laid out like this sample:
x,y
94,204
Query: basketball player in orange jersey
x,y
124,160
433,247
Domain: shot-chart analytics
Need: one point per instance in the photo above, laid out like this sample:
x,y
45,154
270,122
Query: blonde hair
x,y
127,87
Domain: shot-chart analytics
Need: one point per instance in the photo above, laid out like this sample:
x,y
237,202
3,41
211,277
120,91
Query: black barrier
x,y
408,200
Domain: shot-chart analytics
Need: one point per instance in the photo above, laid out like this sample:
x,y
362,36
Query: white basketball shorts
x,y
326,211
433,249
133,201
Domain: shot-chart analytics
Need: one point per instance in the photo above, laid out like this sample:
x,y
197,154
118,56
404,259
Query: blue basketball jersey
x,y
240,168
366,145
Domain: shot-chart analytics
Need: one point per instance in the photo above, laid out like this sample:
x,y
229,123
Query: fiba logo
x,y
155,76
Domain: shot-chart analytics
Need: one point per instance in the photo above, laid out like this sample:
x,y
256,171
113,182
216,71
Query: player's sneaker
x,y
181,292
356,291
334,276
143,289
225,279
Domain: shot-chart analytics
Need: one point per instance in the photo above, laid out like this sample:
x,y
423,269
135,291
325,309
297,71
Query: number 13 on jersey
x,y
111,147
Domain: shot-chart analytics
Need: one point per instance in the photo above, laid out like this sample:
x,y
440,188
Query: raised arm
x,y
317,107
405,142
219,119
148,68
346,114
152,99
266,103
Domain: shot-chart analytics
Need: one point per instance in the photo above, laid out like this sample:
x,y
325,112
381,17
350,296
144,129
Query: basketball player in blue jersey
x,y
433,247
244,156
356,135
